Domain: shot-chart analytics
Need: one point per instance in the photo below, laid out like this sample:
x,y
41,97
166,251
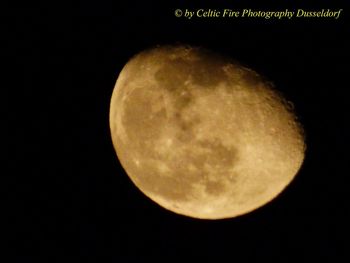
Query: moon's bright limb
x,y
203,136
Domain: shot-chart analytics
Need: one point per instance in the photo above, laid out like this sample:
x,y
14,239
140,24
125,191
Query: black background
x,y
68,195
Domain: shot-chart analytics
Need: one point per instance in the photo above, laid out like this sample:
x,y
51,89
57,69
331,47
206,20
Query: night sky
x,y
69,197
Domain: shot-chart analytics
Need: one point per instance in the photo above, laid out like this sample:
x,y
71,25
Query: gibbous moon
x,y
201,135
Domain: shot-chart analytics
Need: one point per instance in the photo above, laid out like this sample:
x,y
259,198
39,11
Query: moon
x,y
202,135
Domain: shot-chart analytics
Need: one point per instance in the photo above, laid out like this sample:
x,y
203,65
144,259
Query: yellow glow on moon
x,y
201,135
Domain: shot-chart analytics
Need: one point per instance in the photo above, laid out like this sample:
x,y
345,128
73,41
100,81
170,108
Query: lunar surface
x,y
201,135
